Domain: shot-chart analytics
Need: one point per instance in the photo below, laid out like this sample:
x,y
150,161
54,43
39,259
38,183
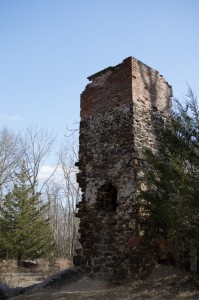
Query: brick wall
x,y
108,89
150,88
129,81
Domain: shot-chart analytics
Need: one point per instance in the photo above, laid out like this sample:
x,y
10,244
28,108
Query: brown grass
x,y
7,270
14,276
62,264
56,265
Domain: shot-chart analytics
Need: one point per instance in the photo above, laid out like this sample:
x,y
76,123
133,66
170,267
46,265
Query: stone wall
x,y
119,112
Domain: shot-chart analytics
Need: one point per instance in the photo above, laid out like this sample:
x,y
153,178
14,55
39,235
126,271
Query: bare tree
x,y
37,145
63,194
10,155
67,158
56,215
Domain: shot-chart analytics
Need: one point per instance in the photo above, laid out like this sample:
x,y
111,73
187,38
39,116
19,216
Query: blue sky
x,y
48,48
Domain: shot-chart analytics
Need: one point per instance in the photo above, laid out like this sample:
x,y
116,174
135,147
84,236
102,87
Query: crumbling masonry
x,y
120,108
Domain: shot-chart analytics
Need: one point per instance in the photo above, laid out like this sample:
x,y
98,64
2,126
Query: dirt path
x,y
165,282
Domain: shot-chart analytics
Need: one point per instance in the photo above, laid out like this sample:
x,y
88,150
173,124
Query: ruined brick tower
x,y
119,111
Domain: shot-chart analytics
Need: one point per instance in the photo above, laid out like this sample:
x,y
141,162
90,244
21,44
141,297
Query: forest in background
x,y
37,213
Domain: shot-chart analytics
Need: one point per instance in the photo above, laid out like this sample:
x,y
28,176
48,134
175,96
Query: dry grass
x,y
59,264
62,264
14,276
7,270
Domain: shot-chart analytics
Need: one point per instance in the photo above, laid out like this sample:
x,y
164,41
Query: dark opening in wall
x,y
107,198
114,198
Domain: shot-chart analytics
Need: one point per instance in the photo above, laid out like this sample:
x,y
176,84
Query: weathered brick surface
x,y
109,88
119,112
130,80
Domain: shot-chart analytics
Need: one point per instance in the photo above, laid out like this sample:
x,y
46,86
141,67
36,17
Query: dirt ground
x,y
24,279
164,282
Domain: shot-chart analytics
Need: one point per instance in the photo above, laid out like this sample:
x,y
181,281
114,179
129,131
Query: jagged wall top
x,y
128,82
